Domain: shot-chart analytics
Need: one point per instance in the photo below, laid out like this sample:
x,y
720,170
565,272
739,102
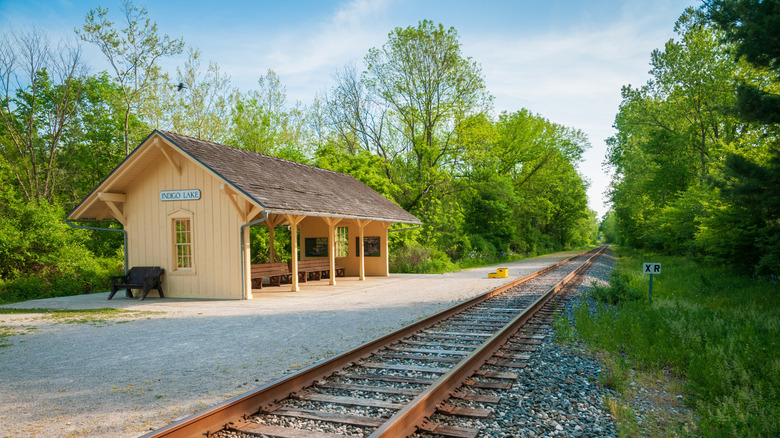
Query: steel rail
x,y
217,417
406,421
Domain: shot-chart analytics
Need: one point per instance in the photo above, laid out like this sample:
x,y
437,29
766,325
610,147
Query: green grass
x,y
7,332
101,315
718,331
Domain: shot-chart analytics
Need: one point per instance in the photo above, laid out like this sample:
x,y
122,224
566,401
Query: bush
x,y
42,257
79,275
414,258
619,290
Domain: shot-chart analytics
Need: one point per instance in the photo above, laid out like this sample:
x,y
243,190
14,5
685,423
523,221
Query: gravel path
x,y
127,375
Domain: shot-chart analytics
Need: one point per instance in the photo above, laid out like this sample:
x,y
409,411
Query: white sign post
x,y
651,268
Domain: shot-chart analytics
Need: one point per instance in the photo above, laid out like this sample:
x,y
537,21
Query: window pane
x,y
342,241
183,242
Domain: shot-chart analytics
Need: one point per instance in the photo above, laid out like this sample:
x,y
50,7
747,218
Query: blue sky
x,y
563,59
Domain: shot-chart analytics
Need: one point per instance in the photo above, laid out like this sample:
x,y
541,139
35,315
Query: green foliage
x,y
93,146
674,227
754,28
202,105
564,333
34,118
364,166
260,241
262,122
415,258
752,190
622,288
694,173
714,327
608,228
421,80
488,216
40,256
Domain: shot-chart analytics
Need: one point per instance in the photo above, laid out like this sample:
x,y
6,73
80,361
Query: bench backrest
x,y
137,274
313,265
267,269
322,265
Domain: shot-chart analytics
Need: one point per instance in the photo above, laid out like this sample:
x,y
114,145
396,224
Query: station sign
x,y
180,195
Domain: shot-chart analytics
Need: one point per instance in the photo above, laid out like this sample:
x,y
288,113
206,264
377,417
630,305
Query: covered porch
x,y
316,243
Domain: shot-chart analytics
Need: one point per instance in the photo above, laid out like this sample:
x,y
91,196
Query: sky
x,y
565,60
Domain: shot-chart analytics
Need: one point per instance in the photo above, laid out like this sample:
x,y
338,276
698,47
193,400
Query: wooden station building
x,y
187,206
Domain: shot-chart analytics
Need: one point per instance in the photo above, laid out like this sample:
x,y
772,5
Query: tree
x,y
607,228
202,101
750,184
673,133
520,189
754,27
263,123
358,119
416,90
95,141
692,78
41,89
132,51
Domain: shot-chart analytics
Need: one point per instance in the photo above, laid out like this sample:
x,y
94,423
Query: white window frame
x,y
173,219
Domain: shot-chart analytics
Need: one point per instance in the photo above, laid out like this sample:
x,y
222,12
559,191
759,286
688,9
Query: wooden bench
x,y
275,272
316,269
139,277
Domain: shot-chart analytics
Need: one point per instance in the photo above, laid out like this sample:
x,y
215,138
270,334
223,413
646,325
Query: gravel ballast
x,y
128,375
557,393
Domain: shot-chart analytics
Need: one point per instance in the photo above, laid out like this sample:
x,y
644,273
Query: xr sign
x,y
651,268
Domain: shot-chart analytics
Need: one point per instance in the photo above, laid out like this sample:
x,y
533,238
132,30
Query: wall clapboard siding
x,y
216,224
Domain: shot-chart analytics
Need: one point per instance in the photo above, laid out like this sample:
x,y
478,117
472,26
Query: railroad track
x,y
430,377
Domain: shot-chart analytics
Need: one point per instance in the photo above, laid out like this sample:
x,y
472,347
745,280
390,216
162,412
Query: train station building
x,y
187,205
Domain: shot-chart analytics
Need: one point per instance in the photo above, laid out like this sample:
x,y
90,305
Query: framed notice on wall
x,y
370,246
316,247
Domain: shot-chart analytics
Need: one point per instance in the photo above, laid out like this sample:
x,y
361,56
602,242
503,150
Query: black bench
x,y
275,272
139,277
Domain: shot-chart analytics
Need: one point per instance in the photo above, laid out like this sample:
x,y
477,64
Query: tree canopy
x,y
696,149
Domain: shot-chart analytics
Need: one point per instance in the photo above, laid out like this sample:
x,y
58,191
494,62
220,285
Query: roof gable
x,y
277,185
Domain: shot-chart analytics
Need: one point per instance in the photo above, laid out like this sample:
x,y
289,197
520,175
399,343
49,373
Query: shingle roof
x,y
286,186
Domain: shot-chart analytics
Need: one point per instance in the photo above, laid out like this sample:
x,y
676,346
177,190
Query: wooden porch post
x,y
361,223
293,222
387,247
247,254
271,255
332,221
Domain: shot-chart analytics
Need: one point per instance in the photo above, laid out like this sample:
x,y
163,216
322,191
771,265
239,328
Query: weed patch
x,y
714,329
564,332
7,332
101,316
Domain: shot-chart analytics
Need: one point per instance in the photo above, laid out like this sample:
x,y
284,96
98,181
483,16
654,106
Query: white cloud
x,y
357,12
305,57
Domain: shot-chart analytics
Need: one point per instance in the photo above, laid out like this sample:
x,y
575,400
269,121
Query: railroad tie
x,y
448,409
283,432
448,431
